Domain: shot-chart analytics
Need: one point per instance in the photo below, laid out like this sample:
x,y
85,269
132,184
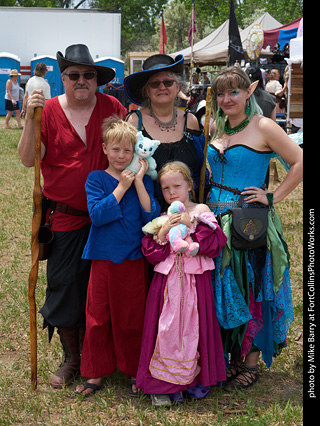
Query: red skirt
x,y
114,317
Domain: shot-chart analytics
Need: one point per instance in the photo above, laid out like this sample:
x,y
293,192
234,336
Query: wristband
x,y
161,243
269,196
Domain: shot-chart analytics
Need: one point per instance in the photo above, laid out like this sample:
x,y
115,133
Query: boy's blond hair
x,y
113,128
176,167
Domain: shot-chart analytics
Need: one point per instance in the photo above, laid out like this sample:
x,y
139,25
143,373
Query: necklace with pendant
x,y
232,130
170,125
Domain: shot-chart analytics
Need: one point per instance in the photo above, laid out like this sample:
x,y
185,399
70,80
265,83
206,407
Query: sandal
x,y
248,377
161,400
235,368
87,385
136,394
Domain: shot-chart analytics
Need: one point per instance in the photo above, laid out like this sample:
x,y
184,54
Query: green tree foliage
x,y
284,11
215,12
137,19
177,30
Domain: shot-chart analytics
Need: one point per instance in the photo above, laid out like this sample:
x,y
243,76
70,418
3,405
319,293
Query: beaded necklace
x,y
170,125
232,130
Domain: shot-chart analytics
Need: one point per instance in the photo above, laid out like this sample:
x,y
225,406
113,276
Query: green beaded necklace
x,y
231,131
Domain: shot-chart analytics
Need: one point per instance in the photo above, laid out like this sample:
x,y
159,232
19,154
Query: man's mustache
x,y
81,86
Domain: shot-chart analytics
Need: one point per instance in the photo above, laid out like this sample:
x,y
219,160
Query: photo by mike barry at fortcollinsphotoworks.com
x,y
310,319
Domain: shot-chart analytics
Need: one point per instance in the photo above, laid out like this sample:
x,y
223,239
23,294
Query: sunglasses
x,y
156,84
74,76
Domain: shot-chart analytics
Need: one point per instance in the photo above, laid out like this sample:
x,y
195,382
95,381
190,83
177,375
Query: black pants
x,y
67,281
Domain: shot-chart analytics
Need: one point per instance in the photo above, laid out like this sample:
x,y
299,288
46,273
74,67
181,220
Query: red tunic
x,y
68,161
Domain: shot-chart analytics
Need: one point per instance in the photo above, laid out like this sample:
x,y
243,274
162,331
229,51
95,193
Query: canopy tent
x,y
217,36
281,35
213,49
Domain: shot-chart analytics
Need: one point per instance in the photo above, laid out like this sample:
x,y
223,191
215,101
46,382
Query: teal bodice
x,y
238,167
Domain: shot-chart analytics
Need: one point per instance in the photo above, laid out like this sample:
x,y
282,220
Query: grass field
x,y
275,400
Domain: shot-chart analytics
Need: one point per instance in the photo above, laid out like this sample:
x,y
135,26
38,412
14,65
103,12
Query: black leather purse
x,y
249,226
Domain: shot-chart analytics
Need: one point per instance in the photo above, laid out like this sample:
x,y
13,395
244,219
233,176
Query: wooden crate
x,y
296,100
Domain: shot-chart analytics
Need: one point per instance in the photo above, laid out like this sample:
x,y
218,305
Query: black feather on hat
x,y
134,83
78,54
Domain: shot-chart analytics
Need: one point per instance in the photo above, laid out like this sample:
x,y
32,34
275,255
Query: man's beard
x,y
83,94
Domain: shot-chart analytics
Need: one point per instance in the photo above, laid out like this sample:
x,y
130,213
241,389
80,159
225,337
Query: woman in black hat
x,y
265,100
155,89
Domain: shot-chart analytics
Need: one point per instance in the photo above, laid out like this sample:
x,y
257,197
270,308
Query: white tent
x,y
213,49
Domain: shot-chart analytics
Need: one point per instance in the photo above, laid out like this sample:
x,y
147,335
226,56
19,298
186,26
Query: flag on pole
x,y
163,36
235,46
192,26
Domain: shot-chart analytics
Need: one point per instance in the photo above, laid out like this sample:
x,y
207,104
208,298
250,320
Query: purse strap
x,y
138,113
240,201
225,187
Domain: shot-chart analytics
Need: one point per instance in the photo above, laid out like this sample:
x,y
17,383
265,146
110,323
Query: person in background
x,y
265,100
11,99
71,147
206,79
266,76
37,82
275,88
267,103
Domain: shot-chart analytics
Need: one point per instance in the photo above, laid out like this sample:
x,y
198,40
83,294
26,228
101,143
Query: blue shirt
x,y
116,233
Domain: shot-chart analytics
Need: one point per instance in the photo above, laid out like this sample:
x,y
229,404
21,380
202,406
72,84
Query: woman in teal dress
x,y
251,287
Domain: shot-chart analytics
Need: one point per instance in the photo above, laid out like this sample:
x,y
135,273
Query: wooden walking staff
x,y
36,221
206,135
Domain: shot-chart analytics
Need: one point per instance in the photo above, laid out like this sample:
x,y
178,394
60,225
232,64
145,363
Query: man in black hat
x,y
71,147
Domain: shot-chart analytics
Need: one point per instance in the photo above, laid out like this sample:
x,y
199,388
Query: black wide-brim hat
x,y
134,83
78,54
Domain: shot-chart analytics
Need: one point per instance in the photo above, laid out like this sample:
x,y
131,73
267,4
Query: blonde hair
x,y
115,128
176,167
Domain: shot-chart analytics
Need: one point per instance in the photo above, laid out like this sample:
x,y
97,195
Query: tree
x,y
284,11
177,30
137,20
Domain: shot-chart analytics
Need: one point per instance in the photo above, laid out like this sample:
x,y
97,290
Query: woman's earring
x,y
248,107
220,112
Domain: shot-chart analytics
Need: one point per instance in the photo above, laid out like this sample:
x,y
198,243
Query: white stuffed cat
x,y
144,148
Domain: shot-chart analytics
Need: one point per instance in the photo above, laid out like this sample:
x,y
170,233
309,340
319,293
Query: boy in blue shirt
x,y
119,203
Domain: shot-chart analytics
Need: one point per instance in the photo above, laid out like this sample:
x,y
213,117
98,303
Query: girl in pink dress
x,y
181,343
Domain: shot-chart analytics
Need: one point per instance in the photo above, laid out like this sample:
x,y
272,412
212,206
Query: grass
x,y
275,400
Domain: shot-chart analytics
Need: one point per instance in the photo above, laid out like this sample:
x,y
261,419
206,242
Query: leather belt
x,y
64,208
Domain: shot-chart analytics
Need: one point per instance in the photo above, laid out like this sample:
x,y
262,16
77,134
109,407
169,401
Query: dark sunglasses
x,y
156,84
88,75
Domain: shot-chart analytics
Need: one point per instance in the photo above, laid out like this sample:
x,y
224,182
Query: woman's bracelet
x,y
269,196
156,239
